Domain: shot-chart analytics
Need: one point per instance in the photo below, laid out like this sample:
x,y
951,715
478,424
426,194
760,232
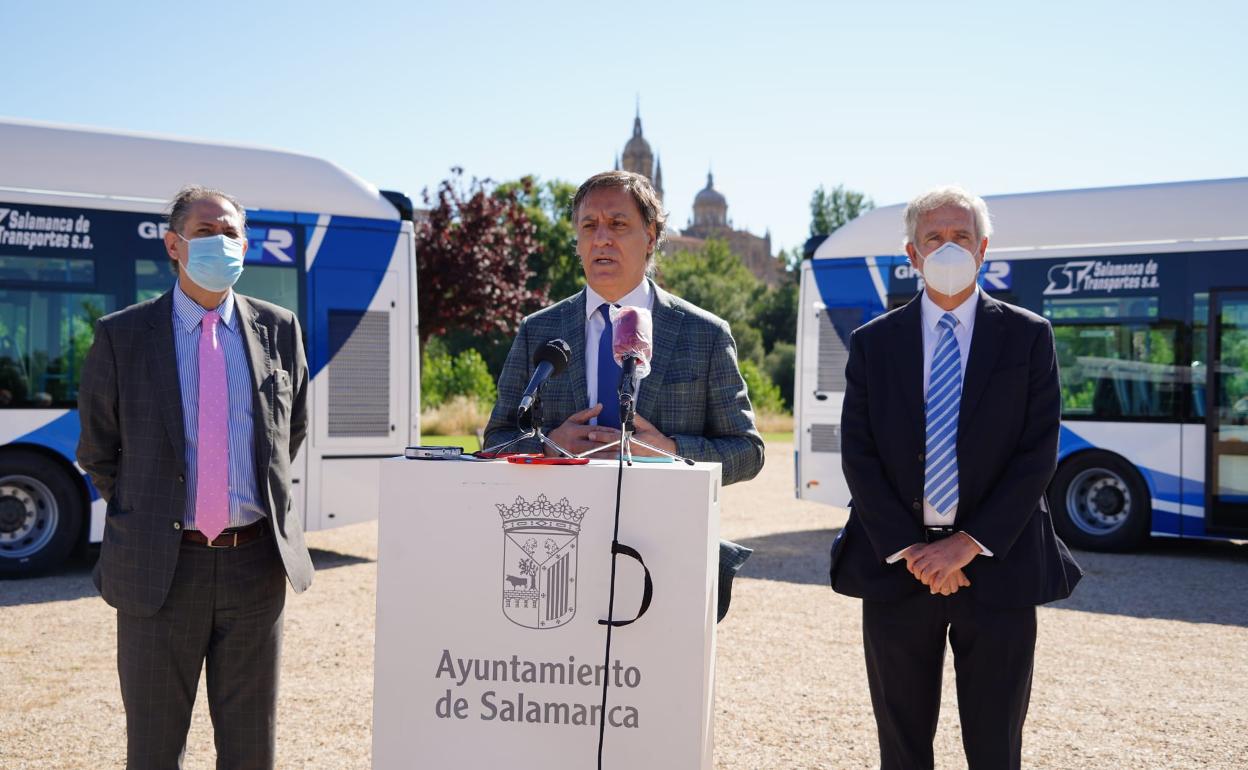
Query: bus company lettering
x,y
520,707
1090,275
33,231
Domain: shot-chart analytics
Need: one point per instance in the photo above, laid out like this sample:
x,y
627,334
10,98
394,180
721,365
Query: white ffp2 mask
x,y
949,269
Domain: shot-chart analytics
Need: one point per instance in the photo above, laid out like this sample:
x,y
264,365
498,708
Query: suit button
x,y
181,478
916,505
920,457
177,525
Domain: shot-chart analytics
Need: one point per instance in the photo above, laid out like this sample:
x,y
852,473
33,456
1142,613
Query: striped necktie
x,y
944,397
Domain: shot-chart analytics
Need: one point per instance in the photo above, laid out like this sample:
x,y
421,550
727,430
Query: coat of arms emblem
x,y
539,561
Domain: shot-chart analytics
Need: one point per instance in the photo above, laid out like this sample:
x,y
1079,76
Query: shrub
x,y
779,365
764,395
444,376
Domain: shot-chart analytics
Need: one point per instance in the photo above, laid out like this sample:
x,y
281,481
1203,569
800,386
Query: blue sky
x,y
885,97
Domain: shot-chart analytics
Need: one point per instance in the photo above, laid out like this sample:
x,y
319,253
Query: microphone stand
x,y
628,410
530,422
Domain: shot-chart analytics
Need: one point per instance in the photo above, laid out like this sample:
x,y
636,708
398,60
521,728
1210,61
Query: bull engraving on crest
x,y
539,561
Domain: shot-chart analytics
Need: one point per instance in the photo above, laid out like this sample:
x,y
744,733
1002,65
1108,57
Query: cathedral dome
x,y
709,196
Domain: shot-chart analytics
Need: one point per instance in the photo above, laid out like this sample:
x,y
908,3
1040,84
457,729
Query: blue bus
x,y
1147,290
81,231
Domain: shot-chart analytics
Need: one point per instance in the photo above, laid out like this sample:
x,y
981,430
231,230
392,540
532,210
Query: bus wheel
x,y
40,513
1100,503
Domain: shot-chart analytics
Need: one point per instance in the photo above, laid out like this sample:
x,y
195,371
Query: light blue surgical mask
x,y
214,263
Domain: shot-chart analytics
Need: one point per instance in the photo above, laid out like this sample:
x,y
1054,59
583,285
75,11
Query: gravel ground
x,y
1145,667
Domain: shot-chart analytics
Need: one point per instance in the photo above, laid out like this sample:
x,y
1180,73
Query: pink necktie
x,y
212,487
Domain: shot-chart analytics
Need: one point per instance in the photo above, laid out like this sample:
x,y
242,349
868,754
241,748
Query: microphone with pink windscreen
x,y
632,336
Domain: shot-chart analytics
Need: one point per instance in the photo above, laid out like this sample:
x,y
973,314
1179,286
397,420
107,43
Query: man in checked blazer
x,y
949,439
694,401
192,407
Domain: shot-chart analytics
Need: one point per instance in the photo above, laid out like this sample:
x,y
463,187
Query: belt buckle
x,y
223,545
932,534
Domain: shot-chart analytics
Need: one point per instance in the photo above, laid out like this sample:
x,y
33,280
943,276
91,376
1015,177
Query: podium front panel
x,y
492,578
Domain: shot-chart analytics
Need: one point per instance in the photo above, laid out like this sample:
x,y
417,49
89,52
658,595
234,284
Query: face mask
x,y
214,263
949,269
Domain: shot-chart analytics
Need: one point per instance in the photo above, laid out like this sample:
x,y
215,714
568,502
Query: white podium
x,y
491,580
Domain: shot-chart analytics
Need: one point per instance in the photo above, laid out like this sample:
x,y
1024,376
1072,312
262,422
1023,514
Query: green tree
x,y
443,375
715,279
764,395
829,211
472,255
775,313
556,267
779,365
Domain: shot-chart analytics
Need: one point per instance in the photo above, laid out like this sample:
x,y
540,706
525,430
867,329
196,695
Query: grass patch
x,y
468,443
778,437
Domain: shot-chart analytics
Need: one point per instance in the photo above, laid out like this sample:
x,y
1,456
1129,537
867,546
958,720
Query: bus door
x,y
1226,493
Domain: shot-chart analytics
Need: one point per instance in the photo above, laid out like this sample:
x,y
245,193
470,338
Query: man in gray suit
x,y
192,407
694,401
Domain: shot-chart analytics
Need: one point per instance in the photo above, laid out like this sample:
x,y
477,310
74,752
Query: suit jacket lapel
x,y
256,341
162,360
572,329
986,343
909,362
667,320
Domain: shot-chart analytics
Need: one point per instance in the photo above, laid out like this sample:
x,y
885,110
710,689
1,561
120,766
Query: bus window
x,y
44,338
1117,370
279,285
47,270
1200,350
152,277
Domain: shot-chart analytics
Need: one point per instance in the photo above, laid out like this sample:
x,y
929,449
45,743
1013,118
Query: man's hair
x,y
638,186
180,206
947,196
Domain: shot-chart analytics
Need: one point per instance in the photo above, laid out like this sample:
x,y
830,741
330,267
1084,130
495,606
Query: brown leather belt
x,y
230,538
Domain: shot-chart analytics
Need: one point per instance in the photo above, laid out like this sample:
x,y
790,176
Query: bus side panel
x,y
1156,451
837,296
359,357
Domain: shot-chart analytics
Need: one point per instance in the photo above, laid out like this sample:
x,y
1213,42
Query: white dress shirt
x,y
931,315
640,297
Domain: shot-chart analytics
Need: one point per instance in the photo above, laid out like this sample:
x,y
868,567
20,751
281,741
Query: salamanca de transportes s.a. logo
x,y
539,561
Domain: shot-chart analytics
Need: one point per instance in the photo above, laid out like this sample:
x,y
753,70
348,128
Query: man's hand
x,y
934,563
645,431
957,579
576,434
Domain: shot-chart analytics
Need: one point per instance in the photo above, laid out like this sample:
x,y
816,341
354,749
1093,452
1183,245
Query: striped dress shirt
x,y
187,314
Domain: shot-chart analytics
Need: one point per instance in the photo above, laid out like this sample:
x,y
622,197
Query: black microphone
x,y
551,359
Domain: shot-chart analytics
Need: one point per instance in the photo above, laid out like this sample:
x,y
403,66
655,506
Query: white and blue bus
x,y
81,231
1147,290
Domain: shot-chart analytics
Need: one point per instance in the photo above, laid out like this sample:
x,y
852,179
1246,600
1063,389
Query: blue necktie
x,y
944,397
608,374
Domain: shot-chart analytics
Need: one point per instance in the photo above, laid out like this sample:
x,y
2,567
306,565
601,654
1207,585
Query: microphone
x,y
551,359
632,345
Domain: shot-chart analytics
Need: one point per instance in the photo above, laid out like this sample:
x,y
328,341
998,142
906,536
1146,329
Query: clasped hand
x,y
577,436
939,565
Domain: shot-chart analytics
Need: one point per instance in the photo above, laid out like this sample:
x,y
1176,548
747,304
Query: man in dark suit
x,y
949,439
192,408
